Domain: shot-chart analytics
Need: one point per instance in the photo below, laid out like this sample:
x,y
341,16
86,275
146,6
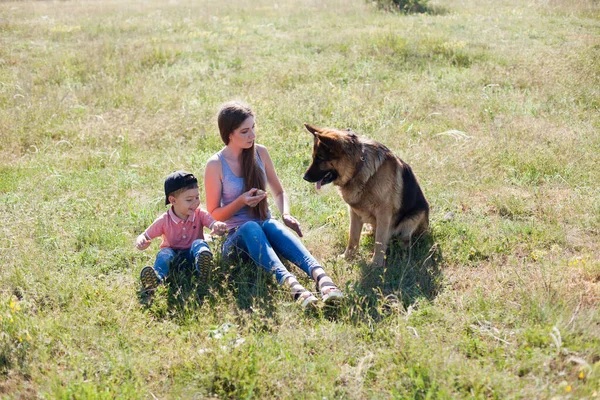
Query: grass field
x,y
495,104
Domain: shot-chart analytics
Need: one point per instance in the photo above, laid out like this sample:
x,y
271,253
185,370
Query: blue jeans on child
x,y
263,242
167,258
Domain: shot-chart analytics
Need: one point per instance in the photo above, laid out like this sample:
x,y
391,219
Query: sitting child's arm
x,y
155,230
143,241
218,228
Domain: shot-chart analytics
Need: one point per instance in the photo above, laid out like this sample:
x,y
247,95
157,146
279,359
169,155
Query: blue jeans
x,y
167,258
262,242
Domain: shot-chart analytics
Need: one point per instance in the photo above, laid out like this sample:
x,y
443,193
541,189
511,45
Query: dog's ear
x,y
326,141
312,129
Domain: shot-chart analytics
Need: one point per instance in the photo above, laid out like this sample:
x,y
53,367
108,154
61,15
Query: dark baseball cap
x,y
176,181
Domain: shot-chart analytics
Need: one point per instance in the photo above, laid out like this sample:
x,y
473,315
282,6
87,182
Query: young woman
x,y
235,181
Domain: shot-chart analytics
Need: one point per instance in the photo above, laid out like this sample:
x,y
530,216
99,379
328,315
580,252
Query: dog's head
x,y
332,156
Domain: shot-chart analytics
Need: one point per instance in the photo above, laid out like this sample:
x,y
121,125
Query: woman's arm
x,y
279,195
213,187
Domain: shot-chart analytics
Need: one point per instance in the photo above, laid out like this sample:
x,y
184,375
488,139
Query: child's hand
x,y
219,228
142,242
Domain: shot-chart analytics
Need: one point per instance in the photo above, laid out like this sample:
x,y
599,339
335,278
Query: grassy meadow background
x,y
495,104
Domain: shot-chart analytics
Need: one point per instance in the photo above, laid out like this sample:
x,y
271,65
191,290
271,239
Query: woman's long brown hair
x,y
231,115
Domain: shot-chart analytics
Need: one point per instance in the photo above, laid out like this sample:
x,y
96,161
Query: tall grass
x,y
495,106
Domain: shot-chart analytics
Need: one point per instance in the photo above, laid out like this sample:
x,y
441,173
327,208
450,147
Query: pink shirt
x,y
179,233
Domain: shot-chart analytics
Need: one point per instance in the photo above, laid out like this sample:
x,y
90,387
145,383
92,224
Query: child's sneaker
x,y
149,278
204,263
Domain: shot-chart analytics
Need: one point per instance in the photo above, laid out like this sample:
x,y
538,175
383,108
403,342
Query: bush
x,y
405,6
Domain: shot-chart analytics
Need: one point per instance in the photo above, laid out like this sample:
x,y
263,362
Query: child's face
x,y
186,203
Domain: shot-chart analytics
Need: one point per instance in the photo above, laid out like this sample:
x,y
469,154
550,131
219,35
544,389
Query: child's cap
x,y
176,181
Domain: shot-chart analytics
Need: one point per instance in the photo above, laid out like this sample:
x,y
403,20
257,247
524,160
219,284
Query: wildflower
x,y
568,388
581,375
14,306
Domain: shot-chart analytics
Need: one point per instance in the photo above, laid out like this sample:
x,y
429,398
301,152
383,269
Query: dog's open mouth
x,y
328,178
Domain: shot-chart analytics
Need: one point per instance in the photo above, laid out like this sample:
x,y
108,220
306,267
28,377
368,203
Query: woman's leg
x,y
291,248
250,240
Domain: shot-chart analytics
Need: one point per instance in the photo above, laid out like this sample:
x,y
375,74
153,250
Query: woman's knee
x,y
273,226
250,228
278,235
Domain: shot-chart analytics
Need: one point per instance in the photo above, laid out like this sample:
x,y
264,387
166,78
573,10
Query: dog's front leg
x,y
356,225
382,236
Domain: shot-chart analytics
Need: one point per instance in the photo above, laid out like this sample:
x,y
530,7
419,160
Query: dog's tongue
x,y
319,184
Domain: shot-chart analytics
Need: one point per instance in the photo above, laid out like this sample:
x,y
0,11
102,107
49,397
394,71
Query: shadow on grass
x,y
404,7
244,281
183,292
231,280
409,275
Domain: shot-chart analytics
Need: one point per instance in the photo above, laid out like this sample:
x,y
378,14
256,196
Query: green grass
x,y
495,106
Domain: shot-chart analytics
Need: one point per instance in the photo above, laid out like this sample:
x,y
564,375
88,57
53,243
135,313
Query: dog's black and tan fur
x,y
379,188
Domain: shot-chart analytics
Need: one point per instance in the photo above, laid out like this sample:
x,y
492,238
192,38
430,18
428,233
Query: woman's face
x,y
243,137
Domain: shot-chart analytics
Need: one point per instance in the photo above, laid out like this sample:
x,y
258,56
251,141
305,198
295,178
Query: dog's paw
x,y
348,255
378,261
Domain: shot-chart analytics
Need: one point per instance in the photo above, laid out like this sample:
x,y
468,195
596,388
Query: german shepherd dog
x,y
379,188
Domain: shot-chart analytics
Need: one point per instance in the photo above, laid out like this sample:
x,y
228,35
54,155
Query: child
x,y
181,228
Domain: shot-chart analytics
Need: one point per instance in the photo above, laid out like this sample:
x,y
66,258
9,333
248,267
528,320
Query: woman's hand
x,y
292,223
142,242
253,196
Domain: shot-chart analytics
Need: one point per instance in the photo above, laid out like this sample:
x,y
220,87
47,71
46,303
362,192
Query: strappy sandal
x,y
302,296
149,278
333,295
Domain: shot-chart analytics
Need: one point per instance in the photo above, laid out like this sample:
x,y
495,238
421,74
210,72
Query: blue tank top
x,y
232,186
